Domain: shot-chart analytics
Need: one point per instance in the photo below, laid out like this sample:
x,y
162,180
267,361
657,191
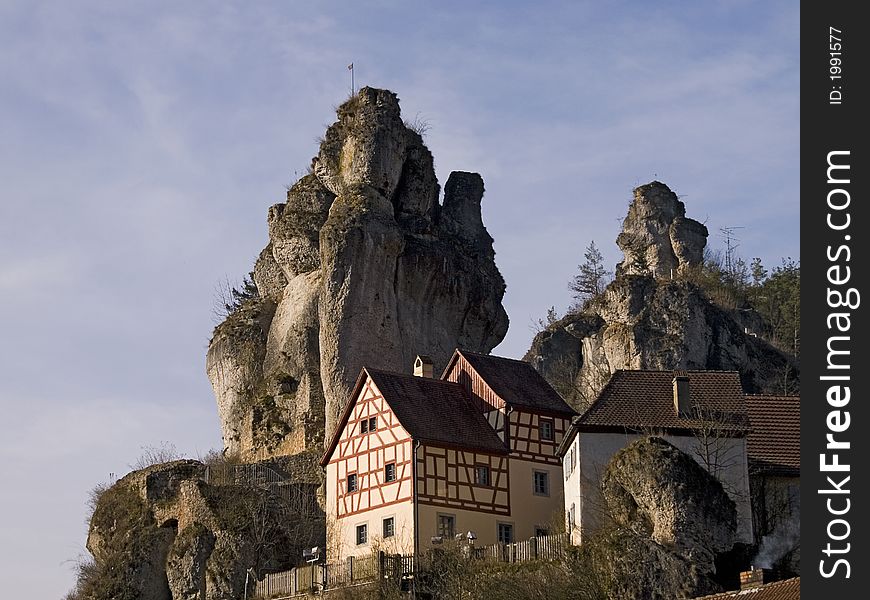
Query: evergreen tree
x,y
238,295
591,278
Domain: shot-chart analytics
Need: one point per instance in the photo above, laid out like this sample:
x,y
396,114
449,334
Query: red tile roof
x,y
645,400
437,412
789,589
774,442
517,383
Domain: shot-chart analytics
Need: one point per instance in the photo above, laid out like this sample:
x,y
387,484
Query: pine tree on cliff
x,y
591,279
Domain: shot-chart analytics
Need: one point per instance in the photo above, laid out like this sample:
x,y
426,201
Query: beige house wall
x,y
529,510
483,524
594,451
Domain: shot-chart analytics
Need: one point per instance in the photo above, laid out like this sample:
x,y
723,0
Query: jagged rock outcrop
x,y
671,519
179,531
363,267
657,237
647,322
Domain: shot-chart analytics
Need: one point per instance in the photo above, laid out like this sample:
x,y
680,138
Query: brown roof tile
x,y
774,441
517,383
645,399
789,589
435,411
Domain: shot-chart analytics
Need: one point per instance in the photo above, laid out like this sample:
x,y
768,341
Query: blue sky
x,y
142,143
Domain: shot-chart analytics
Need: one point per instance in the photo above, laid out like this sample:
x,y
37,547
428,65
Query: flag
x,y
350,67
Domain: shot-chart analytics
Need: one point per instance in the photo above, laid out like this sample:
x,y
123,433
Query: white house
x,y
702,413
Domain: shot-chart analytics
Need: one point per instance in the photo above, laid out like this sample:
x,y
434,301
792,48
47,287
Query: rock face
x,y
658,491
363,267
644,322
656,237
177,530
671,520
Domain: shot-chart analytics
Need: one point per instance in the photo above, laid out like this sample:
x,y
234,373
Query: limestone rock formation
x,y
647,322
182,531
671,519
363,267
659,491
657,237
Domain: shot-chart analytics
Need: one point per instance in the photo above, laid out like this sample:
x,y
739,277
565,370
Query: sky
x,y
141,144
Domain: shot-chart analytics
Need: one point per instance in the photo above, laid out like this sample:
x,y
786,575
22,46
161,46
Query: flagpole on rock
x,y
352,84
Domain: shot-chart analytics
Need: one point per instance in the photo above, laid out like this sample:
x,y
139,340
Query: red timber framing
x,y
367,454
445,477
525,436
524,431
489,403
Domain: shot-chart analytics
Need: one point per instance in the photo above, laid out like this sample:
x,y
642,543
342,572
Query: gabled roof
x,y
431,411
639,400
774,442
515,381
788,589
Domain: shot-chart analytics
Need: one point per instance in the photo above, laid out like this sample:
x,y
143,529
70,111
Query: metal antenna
x,y
730,246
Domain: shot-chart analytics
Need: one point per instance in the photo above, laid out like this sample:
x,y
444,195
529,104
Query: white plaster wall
x,y
596,449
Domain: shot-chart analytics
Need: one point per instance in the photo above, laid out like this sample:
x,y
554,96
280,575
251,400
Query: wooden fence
x,y
394,567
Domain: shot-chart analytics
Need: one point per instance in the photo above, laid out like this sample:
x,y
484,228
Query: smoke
x,y
782,540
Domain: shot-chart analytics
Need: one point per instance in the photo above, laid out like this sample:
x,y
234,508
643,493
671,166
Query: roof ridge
x,y
482,355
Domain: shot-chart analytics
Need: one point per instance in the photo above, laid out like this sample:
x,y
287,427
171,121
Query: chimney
x,y
755,577
682,399
423,366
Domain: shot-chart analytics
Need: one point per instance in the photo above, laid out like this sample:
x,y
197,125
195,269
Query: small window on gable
x,y
481,475
362,534
545,429
373,424
352,483
364,426
389,472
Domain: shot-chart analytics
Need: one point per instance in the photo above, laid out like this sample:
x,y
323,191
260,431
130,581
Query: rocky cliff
x,y
180,530
364,266
653,315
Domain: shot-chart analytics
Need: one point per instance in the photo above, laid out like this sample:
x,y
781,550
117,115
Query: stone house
x,y
703,413
416,460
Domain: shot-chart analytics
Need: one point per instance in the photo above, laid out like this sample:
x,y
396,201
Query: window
x,y
389,527
541,531
570,462
446,526
362,534
505,533
572,518
364,426
481,475
542,483
373,424
352,484
390,472
545,429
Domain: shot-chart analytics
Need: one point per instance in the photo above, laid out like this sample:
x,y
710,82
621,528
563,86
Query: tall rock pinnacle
x,y
363,267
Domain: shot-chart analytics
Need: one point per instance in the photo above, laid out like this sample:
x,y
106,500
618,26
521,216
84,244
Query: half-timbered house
x,y
416,460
